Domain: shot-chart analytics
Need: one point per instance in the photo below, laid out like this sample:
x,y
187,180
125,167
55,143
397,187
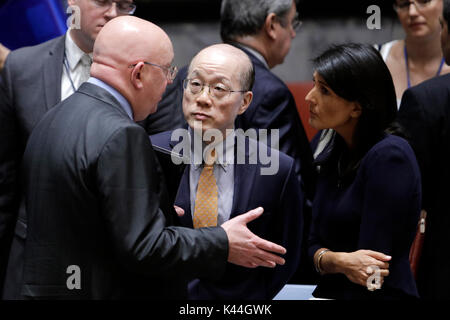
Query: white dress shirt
x,y
78,63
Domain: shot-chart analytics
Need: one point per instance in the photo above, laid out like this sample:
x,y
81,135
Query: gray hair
x,y
247,17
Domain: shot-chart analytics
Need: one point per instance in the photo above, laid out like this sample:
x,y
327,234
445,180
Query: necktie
x,y
86,62
206,199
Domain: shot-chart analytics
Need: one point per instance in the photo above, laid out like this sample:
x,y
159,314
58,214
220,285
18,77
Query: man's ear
x,y
136,75
270,25
248,96
356,111
70,2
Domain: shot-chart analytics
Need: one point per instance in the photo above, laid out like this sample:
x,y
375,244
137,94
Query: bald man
x,y
217,90
99,225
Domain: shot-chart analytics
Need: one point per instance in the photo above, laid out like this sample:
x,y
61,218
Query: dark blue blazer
x,y
375,209
425,115
274,107
282,222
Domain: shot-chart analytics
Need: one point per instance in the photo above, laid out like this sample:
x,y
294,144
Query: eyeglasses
x,y
171,72
123,7
404,5
216,90
296,23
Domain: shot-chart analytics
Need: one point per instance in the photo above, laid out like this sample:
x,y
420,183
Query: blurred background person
x,y
3,54
368,194
425,114
418,56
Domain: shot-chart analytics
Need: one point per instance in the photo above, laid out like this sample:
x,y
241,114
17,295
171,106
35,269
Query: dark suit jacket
x,y
95,199
30,86
425,115
273,107
282,222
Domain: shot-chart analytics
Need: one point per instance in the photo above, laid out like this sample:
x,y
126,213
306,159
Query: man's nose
x,y
112,11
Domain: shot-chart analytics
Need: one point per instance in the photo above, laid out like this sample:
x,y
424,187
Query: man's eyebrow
x,y
217,78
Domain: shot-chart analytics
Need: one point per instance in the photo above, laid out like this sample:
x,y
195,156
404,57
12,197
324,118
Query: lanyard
x,y
407,68
66,66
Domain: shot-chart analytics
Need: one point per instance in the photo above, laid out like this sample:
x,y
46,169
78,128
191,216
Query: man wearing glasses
x,y
264,29
33,80
99,223
226,176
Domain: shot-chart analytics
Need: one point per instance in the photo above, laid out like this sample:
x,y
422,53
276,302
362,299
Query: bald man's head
x,y
133,56
128,39
246,74
217,88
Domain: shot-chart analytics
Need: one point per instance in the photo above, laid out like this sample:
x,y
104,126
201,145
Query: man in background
x,y
425,115
3,54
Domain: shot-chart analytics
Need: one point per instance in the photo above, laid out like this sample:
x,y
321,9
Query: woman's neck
x,y
416,52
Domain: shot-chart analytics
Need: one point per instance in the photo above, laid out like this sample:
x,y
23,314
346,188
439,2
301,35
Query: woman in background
x,y
418,57
368,195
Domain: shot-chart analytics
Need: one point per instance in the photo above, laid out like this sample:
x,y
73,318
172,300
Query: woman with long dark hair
x,y
368,195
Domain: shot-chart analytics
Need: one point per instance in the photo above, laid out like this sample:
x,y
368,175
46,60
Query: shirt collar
x,y
258,55
116,94
73,52
227,151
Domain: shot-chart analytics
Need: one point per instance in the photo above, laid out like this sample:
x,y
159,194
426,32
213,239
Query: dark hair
x,y
357,73
446,11
247,17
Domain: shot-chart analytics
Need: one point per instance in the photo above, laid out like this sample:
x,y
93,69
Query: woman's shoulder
x,y
391,141
391,146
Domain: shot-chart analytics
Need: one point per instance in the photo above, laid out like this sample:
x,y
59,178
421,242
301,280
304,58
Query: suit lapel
x,y
244,177
51,77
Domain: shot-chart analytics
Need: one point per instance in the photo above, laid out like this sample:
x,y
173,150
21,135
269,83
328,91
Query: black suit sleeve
x,y
278,110
9,163
139,231
423,137
289,227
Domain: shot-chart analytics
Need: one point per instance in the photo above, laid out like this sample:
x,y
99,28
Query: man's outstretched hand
x,y
245,248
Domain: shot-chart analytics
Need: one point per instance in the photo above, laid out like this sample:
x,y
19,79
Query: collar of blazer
x,y
52,72
99,93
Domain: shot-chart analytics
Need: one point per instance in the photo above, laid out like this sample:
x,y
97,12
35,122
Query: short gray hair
x,y
247,17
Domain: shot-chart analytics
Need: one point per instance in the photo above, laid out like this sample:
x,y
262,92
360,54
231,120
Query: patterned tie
x,y
86,62
206,200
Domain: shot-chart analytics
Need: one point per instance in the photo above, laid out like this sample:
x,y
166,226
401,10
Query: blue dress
x,y
376,209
